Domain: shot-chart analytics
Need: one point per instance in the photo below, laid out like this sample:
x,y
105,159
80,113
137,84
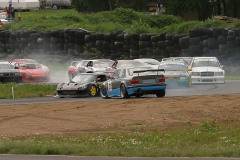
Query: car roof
x,y
205,58
23,60
172,62
4,62
94,73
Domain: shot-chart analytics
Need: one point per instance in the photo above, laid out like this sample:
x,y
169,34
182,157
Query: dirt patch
x,y
115,115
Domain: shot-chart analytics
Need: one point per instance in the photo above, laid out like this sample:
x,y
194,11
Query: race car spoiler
x,y
149,70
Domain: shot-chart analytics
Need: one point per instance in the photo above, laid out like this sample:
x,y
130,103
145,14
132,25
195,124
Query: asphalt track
x,y
231,86
40,157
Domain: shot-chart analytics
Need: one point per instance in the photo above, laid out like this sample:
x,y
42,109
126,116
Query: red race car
x,y
31,70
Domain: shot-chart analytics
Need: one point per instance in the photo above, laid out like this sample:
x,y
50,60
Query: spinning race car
x,y
83,84
31,70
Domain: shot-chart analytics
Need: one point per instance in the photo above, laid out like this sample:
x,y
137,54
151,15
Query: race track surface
x,y
231,86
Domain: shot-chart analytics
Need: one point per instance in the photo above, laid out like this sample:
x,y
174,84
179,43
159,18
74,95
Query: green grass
x,y
232,76
208,140
26,90
102,22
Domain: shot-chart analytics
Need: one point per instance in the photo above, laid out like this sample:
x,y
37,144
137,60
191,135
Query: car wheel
x,y
160,93
123,91
92,91
103,92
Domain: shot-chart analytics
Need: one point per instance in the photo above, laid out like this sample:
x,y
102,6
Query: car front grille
x,y
9,74
204,74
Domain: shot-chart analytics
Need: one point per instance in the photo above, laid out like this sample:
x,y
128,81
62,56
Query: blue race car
x,y
127,82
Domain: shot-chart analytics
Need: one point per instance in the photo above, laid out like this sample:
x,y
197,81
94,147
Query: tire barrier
x,y
221,42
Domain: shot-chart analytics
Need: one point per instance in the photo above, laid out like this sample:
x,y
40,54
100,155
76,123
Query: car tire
x,y
92,91
160,93
123,92
103,92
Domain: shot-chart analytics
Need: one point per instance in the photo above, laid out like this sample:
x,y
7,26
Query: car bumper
x,y
72,93
36,79
145,89
207,80
11,79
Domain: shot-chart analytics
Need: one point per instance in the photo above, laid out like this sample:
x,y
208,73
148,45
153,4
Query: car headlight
x,y
47,72
27,73
82,87
218,73
196,74
1,74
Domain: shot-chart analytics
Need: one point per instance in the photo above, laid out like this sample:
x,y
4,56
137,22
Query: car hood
x,y
175,73
207,69
73,85
9,71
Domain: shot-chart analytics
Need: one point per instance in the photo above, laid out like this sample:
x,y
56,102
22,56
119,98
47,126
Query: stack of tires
x,y
80,40
26,41
145,45
4,41
134,45
57,42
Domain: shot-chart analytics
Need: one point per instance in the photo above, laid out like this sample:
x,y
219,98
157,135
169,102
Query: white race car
x,y
206,70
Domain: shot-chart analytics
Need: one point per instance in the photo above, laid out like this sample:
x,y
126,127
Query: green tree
x,y
179,7
105,5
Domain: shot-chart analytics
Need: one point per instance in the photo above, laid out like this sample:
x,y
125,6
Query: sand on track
x,y
117,114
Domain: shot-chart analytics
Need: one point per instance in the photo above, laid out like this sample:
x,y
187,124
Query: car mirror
x,y
189,69
221,66
15,67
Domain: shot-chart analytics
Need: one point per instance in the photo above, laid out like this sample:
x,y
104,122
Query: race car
x,y
207,70
88,66
31,70
176,74
136,81
83,84
8,73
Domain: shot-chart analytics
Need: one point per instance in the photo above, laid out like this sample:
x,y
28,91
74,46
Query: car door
x,y
113,87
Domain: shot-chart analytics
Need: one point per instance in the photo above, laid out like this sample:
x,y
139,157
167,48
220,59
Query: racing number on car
x,y
110,86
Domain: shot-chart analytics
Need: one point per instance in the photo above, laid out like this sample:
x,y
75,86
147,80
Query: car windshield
x,y
205,63
101,64
131,70
173,67
6,66
30,65
130,64
84,78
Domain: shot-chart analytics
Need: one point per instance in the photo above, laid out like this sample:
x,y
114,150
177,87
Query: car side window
x,y
122,73
116,73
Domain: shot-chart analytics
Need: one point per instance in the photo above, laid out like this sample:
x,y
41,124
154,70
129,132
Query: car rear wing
x,y
149,70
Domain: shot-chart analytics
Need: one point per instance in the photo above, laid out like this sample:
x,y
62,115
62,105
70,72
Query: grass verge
x,y
120,19
232,76
208,140
26,90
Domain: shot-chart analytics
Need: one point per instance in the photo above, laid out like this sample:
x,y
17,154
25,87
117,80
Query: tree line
x,y
205,8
